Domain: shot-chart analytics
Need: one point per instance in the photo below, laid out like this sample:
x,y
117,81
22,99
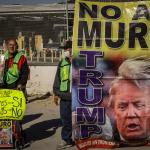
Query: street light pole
x,y
67,19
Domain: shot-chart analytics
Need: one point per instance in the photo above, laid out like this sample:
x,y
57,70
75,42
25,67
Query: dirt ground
x,y
42,125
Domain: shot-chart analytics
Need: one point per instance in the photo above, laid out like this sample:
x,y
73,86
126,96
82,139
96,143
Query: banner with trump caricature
x,y
111,73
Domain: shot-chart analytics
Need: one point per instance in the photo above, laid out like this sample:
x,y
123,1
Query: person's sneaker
x,y
64,145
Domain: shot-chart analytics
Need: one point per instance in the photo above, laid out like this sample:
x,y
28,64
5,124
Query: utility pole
x,y
67,19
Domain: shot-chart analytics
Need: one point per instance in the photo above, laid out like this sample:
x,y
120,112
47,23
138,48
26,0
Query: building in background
x,y
29,22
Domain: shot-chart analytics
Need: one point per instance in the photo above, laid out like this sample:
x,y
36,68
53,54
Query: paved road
x,y
43,126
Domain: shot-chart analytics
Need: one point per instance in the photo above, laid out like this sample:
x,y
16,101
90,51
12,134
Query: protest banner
x,y
111,73
12,104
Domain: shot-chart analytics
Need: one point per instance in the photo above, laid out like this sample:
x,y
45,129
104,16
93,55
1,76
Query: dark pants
x,y
66,118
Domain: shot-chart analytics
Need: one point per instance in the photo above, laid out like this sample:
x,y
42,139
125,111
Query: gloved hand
x,y
56,100
19,87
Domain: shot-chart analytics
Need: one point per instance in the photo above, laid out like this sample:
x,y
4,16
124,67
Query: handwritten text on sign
x,y
12,104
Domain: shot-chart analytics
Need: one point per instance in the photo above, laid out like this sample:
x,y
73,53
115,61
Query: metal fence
x,y
46,56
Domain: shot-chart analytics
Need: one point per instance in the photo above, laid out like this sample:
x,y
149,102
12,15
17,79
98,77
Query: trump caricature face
x,y
132,110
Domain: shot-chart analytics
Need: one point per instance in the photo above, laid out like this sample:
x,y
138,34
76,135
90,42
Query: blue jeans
x,y
66,118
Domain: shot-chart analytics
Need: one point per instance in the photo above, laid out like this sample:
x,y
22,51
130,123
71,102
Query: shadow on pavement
x,y
42,130
32,117
39,97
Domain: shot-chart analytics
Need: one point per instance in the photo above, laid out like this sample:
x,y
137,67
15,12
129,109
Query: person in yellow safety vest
x,y
61,89
16,69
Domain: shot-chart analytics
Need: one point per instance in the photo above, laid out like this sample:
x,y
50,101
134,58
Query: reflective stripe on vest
x,y
12,74
64,75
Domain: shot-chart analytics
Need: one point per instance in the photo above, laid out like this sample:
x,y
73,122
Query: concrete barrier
x,y
41,79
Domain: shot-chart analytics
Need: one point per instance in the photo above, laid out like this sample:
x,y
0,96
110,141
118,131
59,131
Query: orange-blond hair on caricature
x,y
130,100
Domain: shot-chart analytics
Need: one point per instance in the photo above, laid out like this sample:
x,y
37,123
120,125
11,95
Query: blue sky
x,y
29,1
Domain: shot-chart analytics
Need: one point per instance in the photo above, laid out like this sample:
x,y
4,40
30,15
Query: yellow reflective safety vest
x,y
12,74
64,75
